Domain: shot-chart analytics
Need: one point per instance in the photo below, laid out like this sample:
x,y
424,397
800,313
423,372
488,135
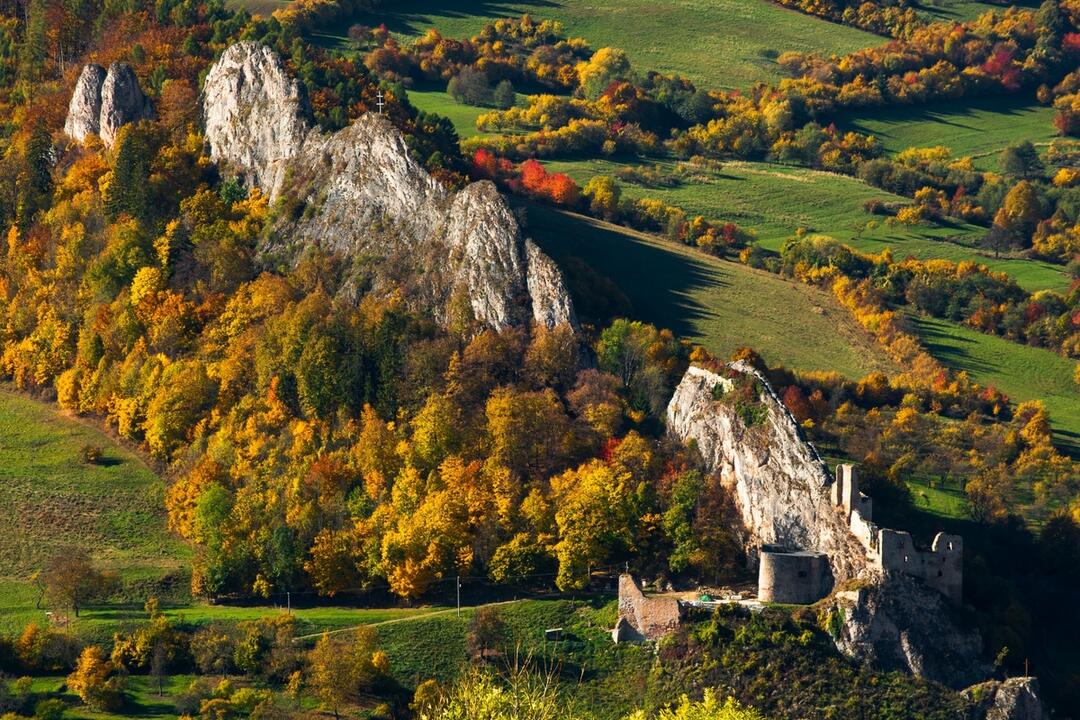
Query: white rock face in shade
x,y
360,192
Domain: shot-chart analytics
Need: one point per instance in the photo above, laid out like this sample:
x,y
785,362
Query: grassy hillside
x,y
981,128
735,42
1022,372
774,200
722,305
50,499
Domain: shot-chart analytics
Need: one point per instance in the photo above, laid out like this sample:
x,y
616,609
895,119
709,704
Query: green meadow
x,y
774,200
1021,372
735,42
440,103
980,128
51,500
722,305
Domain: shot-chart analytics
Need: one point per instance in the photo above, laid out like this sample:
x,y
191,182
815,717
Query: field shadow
x,y
950,349
411,18
955,113
658,284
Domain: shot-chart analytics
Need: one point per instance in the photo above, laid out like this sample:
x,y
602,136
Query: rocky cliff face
x,y
779,482
103,102
359,192
900,624
1012,699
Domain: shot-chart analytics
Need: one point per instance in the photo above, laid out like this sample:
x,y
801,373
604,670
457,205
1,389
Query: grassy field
x,y
774,200
1023,373
51,500
439,102
722,305
954,10
979,128
735,42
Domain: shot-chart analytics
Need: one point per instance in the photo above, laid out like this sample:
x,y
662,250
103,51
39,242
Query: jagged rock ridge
x,y
103,102
359,192
1013,699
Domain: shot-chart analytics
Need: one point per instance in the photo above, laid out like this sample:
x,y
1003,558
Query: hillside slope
x,y
722,305
50,499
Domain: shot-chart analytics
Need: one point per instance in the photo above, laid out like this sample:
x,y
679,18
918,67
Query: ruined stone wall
x,y
652,617
894,550
941,567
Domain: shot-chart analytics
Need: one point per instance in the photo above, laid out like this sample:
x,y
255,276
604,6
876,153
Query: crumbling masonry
x,y
800,576
941,567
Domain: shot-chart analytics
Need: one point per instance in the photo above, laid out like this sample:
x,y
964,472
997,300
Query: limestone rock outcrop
x,y
84,110
901,624
784,494
359,192
103,102
780,484
1012,699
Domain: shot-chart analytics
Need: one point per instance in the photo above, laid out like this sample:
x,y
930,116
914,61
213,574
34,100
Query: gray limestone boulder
x,y
84,111
122,102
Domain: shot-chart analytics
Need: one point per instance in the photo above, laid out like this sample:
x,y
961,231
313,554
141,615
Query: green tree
x,y
1022,160
128,191
34,184
34,49
504,96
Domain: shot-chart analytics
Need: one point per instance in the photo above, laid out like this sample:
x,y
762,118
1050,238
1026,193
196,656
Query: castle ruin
x,y
800,576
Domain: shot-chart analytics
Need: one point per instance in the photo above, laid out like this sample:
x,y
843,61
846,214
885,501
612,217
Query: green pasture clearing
x,y
774,200
716,43
960,10
1021,372
937,501
722,305
439,102
50,500
980,128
